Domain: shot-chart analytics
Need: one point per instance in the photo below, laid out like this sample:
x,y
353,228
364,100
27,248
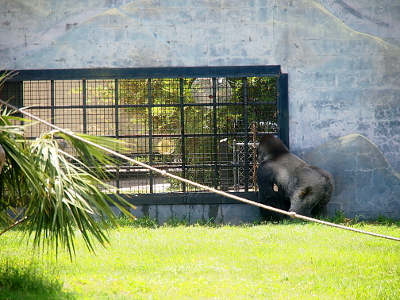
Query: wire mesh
x,y
240,173
197,128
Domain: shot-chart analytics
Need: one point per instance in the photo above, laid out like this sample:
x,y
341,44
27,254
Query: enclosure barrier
x,y
181,119
213,190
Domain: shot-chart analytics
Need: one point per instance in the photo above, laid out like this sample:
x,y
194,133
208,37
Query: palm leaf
x,y
60,196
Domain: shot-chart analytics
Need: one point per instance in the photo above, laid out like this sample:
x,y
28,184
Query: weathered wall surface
x,y
234,214
366,185
378,18
342,56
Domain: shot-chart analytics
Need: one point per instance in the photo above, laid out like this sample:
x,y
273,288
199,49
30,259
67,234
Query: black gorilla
x,y
301,188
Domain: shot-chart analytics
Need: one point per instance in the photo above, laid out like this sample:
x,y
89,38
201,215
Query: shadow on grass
x,y
20,281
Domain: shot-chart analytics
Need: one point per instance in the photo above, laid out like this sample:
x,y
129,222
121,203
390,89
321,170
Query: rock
x,y
366,185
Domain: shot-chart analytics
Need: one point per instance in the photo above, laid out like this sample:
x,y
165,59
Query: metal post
x,y
116,107
182,111
283,108
236,168
150,116
215,131
84,116
52,101
223,160
246,136
116,111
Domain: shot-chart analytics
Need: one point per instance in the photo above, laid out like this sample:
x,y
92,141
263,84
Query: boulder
x,y
366,185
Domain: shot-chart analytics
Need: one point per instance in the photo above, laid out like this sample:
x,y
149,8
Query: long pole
x,y
213,190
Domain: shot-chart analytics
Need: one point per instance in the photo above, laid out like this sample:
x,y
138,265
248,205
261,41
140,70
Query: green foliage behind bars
x,y
165,95
167,92
172,110
200,119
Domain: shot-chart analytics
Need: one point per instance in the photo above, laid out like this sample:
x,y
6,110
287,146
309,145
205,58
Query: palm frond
x,y
60,196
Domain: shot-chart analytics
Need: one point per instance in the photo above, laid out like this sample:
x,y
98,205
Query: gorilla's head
x,y
270,148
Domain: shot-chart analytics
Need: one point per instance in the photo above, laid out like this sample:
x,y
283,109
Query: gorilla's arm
x,y
267,195
265,181
320,209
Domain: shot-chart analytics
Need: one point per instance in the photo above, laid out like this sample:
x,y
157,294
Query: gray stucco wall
x,y
378,18
342,56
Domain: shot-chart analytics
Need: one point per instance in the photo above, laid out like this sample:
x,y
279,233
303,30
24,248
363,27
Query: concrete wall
x,y
230,214
378,18
366,185
342,57
194,207
233,214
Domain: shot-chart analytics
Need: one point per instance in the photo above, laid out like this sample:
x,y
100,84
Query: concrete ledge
x,y
186,198
234,214
194,207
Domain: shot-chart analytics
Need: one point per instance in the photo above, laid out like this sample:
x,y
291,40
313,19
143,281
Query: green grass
x,y
24,279
269,261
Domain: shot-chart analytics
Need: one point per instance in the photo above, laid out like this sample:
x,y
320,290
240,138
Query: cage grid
x,y
240,155
198,128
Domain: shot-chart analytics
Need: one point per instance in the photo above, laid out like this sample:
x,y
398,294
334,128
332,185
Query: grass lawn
x,y
270,261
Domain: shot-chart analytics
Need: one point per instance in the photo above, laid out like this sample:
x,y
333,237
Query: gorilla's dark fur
x,y
302,188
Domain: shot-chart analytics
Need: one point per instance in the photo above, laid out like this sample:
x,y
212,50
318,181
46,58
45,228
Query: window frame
x,y
172,72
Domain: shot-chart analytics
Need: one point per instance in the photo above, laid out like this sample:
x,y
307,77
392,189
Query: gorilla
x,y
288,183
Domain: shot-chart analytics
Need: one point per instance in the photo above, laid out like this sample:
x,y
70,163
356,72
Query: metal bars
x,y
189,124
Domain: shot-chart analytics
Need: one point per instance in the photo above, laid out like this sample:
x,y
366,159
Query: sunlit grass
x,y
270,261
27,279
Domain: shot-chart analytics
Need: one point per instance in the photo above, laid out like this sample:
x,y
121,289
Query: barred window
x,y
198,123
